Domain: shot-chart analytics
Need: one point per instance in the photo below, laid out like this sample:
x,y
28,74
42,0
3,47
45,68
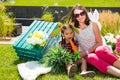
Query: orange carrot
x,y
58,30
76,52
73,46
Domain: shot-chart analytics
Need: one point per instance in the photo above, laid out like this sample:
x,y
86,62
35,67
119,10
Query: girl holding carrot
x,y
68,42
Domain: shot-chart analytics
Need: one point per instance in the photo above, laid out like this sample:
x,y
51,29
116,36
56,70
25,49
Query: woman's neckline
x,y
84,28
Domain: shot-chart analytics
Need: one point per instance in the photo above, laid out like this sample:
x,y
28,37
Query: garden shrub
x,y
6,23
47,16
110,22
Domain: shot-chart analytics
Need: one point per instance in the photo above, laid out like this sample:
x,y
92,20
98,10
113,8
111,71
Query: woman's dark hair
x,y
64,27
73,19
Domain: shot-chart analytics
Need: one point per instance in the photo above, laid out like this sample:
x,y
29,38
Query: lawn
x,y
9,61
87,3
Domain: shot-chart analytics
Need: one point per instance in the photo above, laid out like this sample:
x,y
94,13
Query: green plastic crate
x,y
26,51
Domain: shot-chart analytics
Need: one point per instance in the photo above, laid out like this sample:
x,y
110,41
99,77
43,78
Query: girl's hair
x,y
64,27
73,19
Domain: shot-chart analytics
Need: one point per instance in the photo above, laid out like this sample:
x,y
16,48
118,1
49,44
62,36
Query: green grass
x,y
87,3
8,68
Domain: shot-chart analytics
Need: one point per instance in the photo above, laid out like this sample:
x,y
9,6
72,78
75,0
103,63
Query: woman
x,y
90,42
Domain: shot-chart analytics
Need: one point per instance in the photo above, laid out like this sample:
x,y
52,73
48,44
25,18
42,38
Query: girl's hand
x,y
83,54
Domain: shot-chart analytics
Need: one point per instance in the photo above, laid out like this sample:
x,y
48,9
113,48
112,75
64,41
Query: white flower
x,y
110,38
37,38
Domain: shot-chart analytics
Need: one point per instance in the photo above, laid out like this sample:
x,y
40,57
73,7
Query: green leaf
x,y
57,58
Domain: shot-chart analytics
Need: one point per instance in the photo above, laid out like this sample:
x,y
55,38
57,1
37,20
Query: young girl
x,y
67,34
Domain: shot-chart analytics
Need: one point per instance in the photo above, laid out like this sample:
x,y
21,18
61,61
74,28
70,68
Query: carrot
x,y
76,52
75,29
58,30
73,46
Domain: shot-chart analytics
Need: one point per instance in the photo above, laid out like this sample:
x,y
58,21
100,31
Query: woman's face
x,y
68,34
80,15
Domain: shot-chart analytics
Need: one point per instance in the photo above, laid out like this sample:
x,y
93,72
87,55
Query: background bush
x,y
110,22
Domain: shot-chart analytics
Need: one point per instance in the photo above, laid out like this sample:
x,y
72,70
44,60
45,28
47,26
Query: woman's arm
x,y
98,38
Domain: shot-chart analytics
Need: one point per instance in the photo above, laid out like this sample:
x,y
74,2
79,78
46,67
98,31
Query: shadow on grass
x,y
18,61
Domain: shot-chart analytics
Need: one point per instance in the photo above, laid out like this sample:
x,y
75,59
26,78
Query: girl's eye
x,y
66,33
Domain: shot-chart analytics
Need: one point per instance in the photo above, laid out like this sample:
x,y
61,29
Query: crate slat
x,y
27,51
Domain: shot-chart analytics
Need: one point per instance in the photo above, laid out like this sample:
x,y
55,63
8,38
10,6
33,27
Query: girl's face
x,y
80,15
68,34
